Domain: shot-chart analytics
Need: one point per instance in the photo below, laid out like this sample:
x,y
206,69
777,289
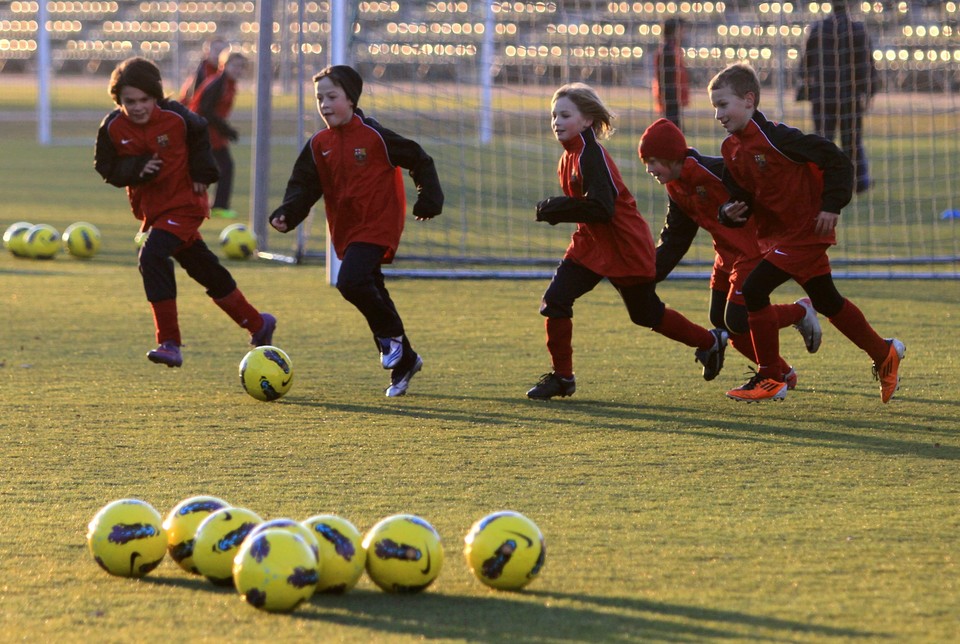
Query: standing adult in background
x,y
839,78
213,100
671,83
208,67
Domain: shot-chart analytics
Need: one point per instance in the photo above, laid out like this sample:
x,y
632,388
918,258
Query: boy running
x,y
795,185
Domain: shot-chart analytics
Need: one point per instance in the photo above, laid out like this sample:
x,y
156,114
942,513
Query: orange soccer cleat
x,y
758,389
888,372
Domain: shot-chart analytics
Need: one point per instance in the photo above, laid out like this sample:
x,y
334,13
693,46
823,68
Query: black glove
x,y
542,215
424,210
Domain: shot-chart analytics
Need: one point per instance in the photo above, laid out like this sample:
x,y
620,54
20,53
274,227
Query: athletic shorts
x,y
186,227
731,281
802,263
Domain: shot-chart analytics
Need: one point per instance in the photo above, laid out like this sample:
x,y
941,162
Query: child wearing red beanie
x,y
696,192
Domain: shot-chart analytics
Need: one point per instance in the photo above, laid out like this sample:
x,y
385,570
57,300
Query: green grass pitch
x,y
670,513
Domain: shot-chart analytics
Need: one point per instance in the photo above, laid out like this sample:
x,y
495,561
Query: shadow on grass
x,y
534,616
744,422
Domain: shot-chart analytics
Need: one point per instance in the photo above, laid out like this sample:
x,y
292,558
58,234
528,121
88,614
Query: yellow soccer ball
x,y
266,373
290,526
275,570
238,242
15,238
81,240
126,537
404,554
181,525
218,539
505,550
342,557
42,242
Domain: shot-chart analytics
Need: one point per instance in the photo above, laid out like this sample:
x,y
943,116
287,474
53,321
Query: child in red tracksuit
x,y
213,101
794,185
355,165
612,241
160,152
695,188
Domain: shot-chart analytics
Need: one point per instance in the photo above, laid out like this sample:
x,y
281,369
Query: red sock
x,y
678,328
560,345
765,332
744,344
851,323
788,314
165,321
242,312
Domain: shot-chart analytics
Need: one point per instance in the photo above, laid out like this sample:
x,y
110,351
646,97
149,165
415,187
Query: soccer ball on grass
x,y
181,525
266,373
342,557
404,554
275,570
505,550
126,537
42,242
218,539
81,240
15,238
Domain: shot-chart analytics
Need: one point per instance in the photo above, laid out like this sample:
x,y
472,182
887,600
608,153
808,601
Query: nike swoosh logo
x,y
737,292
326,152
125,141
426,570
777,251
172,222
522,536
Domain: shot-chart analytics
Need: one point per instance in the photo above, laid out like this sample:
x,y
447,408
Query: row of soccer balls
x,y
276,565
43,241
82,239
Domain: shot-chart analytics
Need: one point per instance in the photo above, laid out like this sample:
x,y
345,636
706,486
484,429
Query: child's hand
x,y
152,166
826,223
199,188
734,214
279,222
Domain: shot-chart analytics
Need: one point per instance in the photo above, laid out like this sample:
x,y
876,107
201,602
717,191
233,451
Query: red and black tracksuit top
x,y
213,100
612,238
180,138
787,179
356,169
694,199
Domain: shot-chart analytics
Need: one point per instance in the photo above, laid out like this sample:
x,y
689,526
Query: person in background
x,y
207,67
839,78
213,100
671,83
159,151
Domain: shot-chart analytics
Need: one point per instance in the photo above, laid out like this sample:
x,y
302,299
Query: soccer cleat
x,y
551,385
758,389
223,213
888,372
809,326
791,378
167,353
712,358
391,350
400,380
264,336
